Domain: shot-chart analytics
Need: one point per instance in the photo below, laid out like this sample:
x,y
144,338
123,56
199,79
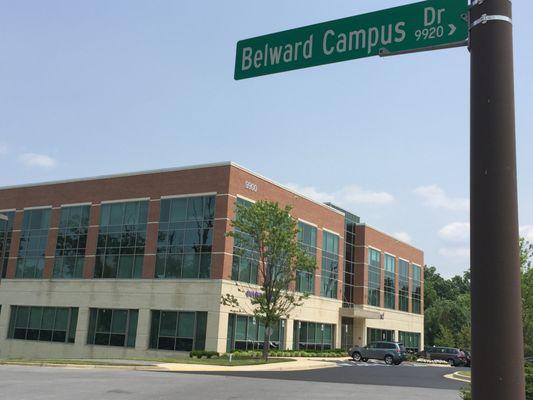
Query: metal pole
x,y
497,338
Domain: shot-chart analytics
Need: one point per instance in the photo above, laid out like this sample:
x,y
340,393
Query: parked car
x,y
390,352
453,356
423,353
468,357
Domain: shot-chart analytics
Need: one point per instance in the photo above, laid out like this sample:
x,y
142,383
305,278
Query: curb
x,y
457,377
174,367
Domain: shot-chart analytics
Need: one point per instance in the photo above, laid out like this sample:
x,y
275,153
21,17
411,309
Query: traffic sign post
x,y
426,25
486,26
495,264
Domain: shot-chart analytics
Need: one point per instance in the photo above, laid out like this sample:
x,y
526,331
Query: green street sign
x,y
426,25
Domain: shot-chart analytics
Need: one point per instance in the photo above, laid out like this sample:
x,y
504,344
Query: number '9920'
x,y
429,33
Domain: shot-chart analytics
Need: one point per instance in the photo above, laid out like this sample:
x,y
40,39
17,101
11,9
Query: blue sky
x,y
89,88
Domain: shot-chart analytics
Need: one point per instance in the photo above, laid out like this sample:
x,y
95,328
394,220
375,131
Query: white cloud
x,y
456,232
312,192
37,160
526,231
434,196
456,254
345,196
3,149
403,236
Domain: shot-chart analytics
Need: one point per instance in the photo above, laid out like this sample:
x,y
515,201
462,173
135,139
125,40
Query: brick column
x,y
92,238
150,248
51,243
15,242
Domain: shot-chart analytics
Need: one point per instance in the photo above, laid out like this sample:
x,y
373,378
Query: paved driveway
x,y
371,373
41,383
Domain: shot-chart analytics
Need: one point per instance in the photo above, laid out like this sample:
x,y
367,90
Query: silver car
x,y
390,352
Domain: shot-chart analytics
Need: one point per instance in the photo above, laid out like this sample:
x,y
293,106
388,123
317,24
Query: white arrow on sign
x,y
452,29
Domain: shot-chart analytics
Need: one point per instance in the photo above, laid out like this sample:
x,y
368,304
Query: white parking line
x,y
376,364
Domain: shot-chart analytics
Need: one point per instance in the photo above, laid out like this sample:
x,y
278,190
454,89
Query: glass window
x,y
121,240
305,280
376,335
348,295
390,281
313,336
245,257
71,242
330,265
112,327
46,324
185,238
33,241
6,233
411,341
404,285
417,290
178,330
246,332
374,277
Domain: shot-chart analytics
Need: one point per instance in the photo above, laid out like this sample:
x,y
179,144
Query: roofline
x,y
175,169
389,235
286,188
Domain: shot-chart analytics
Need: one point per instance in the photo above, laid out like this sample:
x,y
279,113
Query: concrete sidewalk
x,y
299,364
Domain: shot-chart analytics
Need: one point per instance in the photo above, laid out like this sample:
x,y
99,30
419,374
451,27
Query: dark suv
x,y
454,357
390,352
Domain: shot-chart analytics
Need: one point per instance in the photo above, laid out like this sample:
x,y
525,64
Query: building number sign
x,y
250,186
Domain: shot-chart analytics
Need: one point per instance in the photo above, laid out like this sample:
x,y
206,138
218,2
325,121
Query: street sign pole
x,y
497,338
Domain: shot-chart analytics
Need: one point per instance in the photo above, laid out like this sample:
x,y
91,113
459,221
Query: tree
x,y
526,264
271,233
447,309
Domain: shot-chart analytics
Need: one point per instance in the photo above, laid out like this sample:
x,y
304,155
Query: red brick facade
x,y
366,237
227,181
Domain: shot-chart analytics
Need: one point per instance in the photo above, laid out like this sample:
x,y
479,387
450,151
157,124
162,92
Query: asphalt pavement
x,y
370,373
47,383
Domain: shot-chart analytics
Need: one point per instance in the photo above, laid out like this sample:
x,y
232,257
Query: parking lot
x,y
367,373
372,382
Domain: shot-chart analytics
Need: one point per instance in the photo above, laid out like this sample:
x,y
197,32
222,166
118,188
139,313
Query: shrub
x,y
529,381
466,394
203,353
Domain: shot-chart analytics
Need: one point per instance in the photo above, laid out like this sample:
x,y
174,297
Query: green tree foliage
x,y
447,309
526,262
447,305
271,231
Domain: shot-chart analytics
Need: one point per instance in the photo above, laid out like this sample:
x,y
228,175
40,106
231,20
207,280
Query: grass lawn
x,y
203,361
65,361
464,374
